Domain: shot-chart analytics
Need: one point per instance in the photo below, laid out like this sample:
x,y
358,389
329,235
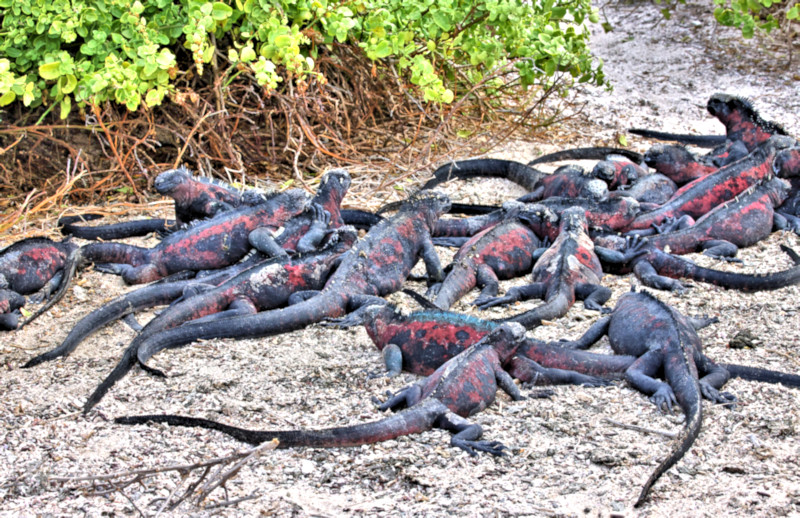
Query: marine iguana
x,y
569,181
742,122
618,172
651,191
660,270
301,232
741,222
195,198
376,266
155,294
682,166
569,269
462,387
213,243
501,252
37,264
267,285
608,215
700,196
422,341
662,338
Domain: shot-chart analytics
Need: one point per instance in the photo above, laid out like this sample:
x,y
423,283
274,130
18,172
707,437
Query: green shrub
x,y
91,51
749,15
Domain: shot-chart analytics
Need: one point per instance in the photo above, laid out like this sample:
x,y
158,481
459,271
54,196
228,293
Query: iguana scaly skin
x,y
719,233
569,269
700,196
650,191
265,286
460,388
516,172
155,294
376,266
660,270
422,341
32,265
214,243
662,338
682,166
501,252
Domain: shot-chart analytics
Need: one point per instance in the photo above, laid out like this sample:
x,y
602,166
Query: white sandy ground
x,y
565,459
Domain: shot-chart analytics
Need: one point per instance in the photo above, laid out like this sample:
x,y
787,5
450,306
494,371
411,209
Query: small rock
x,y
307,467
743,339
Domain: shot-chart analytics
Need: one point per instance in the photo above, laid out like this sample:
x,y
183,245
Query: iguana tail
x,y
413,420
762,375
677,267
113,231
708,141
587,153
683,380
516,172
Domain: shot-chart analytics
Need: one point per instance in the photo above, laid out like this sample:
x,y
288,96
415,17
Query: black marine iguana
x,y
569,269
376,266
662,338
742,122
462,387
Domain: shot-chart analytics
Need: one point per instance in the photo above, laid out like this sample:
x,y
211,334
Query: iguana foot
x,y
542,394
591,381
664,398
725,399
495,301
493,447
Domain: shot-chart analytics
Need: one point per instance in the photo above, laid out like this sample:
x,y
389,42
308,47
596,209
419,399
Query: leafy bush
x,y
749,15
134,51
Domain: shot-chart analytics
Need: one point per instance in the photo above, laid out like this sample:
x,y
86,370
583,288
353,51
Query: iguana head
x,y
431,203
728,107
573,220
787,163
505,339
168,181
335,180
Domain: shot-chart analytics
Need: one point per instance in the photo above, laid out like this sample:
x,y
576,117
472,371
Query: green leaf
x,y
283,40
7,98
622,139
383,50
66,106
442,20
220,11
68,83
50,71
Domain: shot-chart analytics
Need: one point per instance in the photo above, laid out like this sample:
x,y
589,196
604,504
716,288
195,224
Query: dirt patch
x,y
565,460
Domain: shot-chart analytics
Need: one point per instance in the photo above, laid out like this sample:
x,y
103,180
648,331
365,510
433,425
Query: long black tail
x,y
587,153
516,172
361,219
115,230
762,375
694,140
413,420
